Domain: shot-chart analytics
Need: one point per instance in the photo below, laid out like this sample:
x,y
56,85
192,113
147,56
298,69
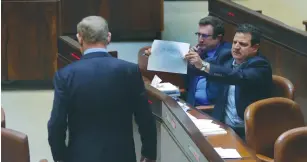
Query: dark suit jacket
x,y
253,81
213,88
96,97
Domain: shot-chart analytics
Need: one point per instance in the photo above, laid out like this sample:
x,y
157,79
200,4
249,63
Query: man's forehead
x,y
243,36
206,29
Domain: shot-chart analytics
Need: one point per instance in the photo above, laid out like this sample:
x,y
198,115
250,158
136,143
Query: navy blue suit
x,y
96,98
213,88
252,80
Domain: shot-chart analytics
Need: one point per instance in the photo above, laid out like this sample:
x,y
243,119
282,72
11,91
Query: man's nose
x,y
236,46
200,38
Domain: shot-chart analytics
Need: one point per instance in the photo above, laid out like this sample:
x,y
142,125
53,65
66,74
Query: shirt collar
x,y
91,50
235,65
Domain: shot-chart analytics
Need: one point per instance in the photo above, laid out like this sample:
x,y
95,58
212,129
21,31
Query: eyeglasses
x,y
202,35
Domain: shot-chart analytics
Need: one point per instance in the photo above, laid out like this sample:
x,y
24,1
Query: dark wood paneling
x,y
135,15
31,31
4,40
137,19
74,10
284,46
128,20
273,30
62,61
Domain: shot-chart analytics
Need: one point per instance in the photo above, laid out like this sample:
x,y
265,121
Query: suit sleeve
x,y
57,124
144,118
254,74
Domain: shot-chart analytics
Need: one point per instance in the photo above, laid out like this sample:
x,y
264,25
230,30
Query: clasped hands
x,y
192,57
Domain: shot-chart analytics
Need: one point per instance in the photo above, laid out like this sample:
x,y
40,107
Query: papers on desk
x,y
155,81
184,106
168,56
228,153
207,127
166,88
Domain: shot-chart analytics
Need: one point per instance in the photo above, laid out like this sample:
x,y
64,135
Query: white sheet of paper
x,y
206,125
214,133
168,56
228,153
202,121
155,81
211,130
191,117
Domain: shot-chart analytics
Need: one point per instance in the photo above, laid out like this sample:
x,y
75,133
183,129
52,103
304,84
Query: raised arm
x,y
255,73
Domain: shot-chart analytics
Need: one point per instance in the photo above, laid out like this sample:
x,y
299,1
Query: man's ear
x,y
255,48
80,40
220,37
109,37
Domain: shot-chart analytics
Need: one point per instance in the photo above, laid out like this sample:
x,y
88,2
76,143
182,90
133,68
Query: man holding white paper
x,y
247,77
210,46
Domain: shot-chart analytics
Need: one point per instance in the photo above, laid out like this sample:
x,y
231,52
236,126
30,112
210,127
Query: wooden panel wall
x,y
30,29
128,19
74,10
4,40
29,39
284,46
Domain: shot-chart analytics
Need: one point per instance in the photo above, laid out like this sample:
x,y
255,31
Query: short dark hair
x,y
254,31
217,24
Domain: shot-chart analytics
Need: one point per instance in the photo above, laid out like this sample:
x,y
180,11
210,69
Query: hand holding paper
x,y
194,59
168,56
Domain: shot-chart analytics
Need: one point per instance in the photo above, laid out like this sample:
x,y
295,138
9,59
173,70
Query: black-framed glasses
x,y
202,35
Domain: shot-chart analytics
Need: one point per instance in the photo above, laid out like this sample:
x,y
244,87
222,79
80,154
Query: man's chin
x,y
202,48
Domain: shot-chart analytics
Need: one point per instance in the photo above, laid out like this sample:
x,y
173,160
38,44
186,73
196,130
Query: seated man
x,y
247,77
210,46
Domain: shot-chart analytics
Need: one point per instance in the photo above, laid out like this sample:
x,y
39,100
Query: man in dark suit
x,y
96,98
209,48
247,77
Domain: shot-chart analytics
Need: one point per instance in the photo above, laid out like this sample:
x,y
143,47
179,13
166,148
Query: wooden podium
x,y
69,51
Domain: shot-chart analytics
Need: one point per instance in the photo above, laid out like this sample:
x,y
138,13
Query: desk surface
x,y
229,140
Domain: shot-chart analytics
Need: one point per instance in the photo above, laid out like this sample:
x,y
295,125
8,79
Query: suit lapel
x,y
228,64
